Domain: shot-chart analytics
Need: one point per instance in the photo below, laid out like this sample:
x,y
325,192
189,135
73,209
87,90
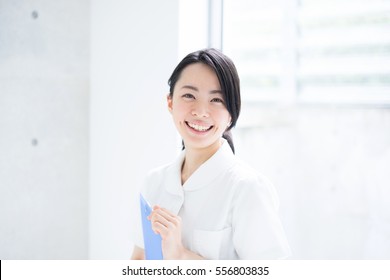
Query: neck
x,y
195,158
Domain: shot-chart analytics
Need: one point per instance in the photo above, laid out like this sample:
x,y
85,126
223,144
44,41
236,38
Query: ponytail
x,y
229,138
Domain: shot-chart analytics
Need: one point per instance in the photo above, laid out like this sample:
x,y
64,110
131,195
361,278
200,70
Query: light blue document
x,y
152,241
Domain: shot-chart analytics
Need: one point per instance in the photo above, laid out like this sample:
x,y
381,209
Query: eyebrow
x,y
196,89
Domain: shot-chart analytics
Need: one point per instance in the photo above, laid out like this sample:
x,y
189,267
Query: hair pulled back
x,y
228,79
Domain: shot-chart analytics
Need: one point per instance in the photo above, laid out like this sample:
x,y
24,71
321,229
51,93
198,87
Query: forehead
x,y
200,75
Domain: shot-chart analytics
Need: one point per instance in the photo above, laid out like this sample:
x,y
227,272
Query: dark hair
x,y
228,79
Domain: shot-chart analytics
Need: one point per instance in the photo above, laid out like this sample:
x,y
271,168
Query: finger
x,y
155,207
160,229
157,217
165,217
166,214
157,213
175,220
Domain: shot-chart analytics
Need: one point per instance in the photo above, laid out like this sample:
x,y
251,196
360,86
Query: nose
x,y
200,110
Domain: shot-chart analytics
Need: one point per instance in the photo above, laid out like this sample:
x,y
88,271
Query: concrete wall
x,y
83,89
44,104
133,52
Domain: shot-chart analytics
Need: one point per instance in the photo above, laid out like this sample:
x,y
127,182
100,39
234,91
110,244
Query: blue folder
x,y
152,241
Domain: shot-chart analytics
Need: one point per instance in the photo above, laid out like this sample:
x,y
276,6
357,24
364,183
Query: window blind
x,y
315,50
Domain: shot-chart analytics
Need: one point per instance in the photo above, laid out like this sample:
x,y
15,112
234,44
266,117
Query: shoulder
x,y
157,177
160,170
167,168
249,182
247,175
158,173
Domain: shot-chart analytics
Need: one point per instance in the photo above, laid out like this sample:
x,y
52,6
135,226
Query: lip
x,y
199,124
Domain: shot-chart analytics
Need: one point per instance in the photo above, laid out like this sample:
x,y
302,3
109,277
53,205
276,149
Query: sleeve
x,y
257,229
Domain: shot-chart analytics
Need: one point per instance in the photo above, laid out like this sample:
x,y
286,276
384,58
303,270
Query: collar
x,y
219,162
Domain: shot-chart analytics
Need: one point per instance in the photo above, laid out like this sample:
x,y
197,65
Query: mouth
x,y
199,128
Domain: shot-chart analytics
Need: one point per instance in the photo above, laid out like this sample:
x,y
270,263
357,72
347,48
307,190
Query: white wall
x,y
44,100
331,167
133,52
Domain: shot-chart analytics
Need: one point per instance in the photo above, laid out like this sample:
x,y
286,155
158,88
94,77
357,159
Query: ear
x,y
230,121
169,103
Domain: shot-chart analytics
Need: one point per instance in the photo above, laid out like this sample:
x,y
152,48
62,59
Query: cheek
x,y
178,112
226,115
224,118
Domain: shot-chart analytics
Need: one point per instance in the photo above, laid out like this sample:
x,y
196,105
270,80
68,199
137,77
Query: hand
x,y
168,226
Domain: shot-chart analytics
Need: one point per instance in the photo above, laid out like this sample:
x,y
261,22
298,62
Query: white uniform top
x,y
228,210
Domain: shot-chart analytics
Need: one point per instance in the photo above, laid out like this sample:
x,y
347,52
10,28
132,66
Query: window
x,y
310,50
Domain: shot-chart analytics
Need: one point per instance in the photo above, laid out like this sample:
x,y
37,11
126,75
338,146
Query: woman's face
x,y
198,108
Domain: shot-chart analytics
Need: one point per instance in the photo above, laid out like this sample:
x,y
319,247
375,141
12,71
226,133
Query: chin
x,y
200,144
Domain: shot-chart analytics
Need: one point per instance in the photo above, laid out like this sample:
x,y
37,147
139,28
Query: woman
x,y
208,204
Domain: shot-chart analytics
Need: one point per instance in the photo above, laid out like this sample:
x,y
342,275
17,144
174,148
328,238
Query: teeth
x,y
198,127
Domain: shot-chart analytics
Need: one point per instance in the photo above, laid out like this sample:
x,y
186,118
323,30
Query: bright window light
x,y
335,51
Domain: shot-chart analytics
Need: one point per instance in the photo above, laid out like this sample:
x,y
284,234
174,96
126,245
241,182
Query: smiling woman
x,y
198,108
208,204
228,82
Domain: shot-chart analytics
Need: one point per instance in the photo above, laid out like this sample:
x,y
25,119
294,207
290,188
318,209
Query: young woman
x,y
209,204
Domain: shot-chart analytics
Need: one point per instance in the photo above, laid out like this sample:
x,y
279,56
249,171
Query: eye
x,y
217,99
188,95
